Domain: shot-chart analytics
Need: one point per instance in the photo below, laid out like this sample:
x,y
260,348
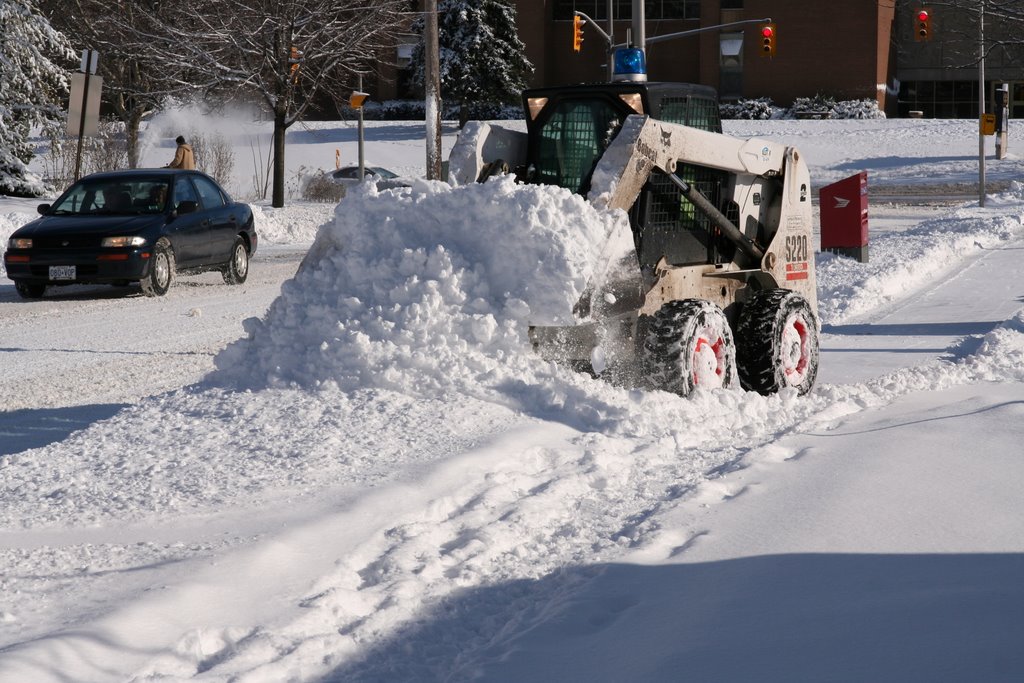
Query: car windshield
x,y
113,196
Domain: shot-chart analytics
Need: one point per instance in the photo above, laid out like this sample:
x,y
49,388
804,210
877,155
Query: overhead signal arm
x,y
683,34
578,20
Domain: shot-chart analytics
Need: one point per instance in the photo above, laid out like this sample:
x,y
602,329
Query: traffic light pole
x,y
432,88
610,38
682,34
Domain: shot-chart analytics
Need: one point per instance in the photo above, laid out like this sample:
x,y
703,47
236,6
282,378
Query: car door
x,y
223,226
189,231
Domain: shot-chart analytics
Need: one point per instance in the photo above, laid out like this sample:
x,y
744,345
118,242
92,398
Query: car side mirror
x,y
42,209
188,206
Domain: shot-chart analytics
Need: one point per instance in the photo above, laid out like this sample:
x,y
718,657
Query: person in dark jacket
x,y
183,157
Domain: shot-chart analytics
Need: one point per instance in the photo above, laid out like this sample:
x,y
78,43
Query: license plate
x,y
62,272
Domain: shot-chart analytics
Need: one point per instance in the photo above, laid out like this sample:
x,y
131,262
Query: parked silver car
x,y
385,179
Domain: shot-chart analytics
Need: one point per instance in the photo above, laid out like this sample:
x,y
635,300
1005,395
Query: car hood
x,y
89,225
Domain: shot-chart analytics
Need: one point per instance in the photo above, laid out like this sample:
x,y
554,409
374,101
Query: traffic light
x,y
767,40
577,32
923,24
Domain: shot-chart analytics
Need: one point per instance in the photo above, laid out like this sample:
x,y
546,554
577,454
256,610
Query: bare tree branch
x,y
285,52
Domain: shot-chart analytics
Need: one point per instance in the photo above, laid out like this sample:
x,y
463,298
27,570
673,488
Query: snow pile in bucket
x,y
900,262
426,289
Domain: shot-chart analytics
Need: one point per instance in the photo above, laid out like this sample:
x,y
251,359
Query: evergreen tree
x,y
482,59
32,89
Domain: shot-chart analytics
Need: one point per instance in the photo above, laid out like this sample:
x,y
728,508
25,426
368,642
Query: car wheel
x,y
237,268
777,344
688,344
29,290
161,271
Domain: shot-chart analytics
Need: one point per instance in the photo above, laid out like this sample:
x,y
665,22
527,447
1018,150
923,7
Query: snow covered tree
x,y
287,52
33,87
482,59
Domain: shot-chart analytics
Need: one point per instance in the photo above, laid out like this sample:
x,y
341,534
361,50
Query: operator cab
x,y
570,127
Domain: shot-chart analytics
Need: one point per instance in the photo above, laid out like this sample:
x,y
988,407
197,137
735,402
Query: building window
x,y
940,99
732,4
654,10
672,9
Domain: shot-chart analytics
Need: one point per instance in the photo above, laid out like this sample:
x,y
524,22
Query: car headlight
x,y
19,243
133,241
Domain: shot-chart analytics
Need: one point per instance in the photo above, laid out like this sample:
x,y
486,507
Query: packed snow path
x,y
83,346
432,522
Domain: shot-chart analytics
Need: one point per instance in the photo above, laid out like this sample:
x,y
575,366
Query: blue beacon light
x,y
629,65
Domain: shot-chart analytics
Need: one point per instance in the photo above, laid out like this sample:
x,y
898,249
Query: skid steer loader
x,y
719,285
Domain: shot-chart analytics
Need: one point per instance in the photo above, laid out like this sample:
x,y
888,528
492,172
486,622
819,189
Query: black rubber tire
x,y
237,268
777,343
494,168
688,344
161,271
29,290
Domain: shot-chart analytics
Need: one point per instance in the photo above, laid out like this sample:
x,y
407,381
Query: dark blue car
x,y
142,226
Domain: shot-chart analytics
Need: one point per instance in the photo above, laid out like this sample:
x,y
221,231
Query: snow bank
x,y
1000,353
9,222
403,338
296,224
426,290
900,262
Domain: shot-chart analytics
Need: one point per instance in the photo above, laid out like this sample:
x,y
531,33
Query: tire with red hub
x,y
688,344
777,343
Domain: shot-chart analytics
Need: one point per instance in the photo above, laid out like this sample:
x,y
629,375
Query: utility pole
x,y
981,103
432,82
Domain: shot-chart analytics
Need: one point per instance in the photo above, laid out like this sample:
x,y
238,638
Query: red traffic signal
x,y
577,32
923,25
768,40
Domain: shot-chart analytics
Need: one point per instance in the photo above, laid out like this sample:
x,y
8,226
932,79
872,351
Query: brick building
x,y
853,49
940,77
811,56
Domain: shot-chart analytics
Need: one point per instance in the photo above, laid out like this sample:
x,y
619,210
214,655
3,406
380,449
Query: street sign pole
x,y
90,59
356,100
362,158
86,62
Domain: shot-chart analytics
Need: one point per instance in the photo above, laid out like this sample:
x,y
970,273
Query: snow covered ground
x,y
355,469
